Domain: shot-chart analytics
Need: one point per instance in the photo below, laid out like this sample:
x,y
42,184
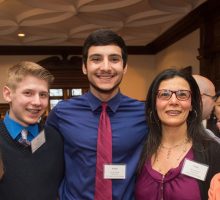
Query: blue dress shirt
x,y
77,120
14,128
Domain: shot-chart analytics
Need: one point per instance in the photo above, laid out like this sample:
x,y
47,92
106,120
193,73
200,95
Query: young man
x,y
77,119
32,156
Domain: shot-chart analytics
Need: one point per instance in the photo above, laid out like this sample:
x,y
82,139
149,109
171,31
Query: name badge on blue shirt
x,y
114,171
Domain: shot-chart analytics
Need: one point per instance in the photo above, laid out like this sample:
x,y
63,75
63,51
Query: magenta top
x,y
154,186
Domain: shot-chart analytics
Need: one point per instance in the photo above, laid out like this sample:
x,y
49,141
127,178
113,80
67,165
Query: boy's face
x,y
28,101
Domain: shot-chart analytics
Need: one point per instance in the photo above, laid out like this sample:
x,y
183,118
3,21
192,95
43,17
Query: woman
x,y
176,137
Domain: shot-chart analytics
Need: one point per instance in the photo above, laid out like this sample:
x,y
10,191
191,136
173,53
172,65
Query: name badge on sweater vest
x,y
38,141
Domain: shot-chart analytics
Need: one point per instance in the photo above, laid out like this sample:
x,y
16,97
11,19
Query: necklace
x,y
182,152
169,149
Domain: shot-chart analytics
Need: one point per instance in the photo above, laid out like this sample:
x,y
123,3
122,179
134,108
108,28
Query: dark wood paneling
x,y
3,108
209,51
59,50
67,71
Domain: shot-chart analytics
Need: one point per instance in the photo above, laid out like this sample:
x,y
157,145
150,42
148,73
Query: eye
x,y
115,58
164,94
183,94
27,93
95,59
44,95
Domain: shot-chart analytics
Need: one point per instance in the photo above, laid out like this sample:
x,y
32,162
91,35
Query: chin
x,y
32,120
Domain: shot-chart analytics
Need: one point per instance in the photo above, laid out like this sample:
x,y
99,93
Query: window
x,y
60,94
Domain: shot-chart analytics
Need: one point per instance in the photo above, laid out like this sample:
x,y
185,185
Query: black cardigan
x,y
210,155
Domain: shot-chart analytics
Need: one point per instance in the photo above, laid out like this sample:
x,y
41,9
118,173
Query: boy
x,y
32,156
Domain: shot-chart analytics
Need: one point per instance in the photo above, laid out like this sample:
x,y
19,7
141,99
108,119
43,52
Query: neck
x,y
104,96
173,135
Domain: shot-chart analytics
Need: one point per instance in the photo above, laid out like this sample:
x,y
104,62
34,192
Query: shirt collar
x,y
14,128
113,103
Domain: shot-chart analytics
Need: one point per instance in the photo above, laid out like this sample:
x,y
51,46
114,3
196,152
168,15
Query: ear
x,y
125,69
7,94
84,69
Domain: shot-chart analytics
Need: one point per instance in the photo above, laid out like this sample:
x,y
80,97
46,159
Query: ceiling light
x,y
21,35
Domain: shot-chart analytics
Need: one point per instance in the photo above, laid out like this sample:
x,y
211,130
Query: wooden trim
x,y
4,107
58,50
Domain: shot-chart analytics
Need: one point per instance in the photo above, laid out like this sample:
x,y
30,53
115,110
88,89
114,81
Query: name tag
x,y
38,141
115,171
195,169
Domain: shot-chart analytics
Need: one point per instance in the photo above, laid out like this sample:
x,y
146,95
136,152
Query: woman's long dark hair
x,y
194,121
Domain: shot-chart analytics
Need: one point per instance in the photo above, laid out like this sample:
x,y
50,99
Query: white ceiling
x,y
68,22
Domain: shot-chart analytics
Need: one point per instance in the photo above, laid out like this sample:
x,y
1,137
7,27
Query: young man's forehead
x,y
105,50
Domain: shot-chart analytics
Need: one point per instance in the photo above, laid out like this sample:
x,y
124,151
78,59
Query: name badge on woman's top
x,y
114,171
195,169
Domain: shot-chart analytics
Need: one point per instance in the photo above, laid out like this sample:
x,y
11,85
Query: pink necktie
x,y
103,187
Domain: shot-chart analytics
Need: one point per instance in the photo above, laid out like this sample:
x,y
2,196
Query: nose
x,y
36,99
173,98
106,65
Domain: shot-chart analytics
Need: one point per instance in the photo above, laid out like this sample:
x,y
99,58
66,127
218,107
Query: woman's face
x,y
173,112
217,108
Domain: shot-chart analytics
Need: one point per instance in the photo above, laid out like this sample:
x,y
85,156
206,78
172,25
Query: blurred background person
x,y
217,111
207,91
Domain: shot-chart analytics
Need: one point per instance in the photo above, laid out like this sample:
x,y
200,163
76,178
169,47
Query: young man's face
x,y
28,101
104,69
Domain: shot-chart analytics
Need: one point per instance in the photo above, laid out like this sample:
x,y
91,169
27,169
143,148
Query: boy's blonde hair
x,y
19,71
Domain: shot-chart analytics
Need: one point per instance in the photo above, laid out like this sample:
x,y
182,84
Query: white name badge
x,y
38,141
195,169
115,171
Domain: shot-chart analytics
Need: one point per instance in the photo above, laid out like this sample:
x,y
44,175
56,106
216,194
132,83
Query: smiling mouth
x,y
34,111
105,76
173,112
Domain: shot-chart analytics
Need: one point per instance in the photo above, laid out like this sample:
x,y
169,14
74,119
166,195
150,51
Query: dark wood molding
x,y
67,71
185,26
58,50
4,107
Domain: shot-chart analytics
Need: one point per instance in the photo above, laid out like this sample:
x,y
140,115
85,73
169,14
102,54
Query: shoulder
x,y
214,146
52,133
72,102
125,100
208,151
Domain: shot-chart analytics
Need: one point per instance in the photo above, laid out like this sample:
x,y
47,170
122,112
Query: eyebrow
x,y
99,54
